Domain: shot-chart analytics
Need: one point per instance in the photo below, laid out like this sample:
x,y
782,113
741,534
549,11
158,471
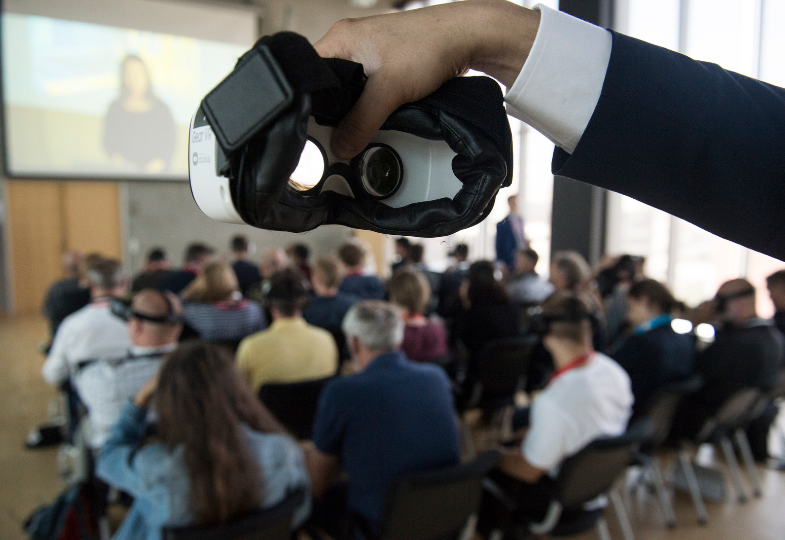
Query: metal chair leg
x,y
662,494
602,529
746,453
733,465
692,483
621,515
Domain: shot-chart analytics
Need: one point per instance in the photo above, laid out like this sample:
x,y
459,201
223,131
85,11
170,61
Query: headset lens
x,y
381,171
310,169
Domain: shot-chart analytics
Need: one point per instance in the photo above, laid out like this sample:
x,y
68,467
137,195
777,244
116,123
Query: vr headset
x,y
541,324
260,149
722,301
124,310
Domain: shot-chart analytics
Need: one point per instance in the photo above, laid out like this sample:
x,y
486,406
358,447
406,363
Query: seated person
x,y
218,453
587,397
156,268
355,282
487,314
105,385
248,275
91,332
298,255
197,255
70,294
747,352
392,417
654,355
569,271
525,285
328,306
291,350
450,282
403,251
215,307
424,340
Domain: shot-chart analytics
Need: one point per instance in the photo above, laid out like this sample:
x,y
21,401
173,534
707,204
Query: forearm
x,y
514,464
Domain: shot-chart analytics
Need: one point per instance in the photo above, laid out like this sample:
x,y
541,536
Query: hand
x,y
408,55
145,394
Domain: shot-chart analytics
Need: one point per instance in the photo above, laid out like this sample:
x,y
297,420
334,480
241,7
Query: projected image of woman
x,y
139,128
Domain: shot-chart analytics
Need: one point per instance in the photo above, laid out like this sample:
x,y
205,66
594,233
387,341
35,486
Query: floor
x,y
28,478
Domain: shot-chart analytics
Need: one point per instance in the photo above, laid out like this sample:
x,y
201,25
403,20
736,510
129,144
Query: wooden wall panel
x,y
34,221
91,218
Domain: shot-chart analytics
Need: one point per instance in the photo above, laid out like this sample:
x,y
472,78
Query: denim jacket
x,y
156,475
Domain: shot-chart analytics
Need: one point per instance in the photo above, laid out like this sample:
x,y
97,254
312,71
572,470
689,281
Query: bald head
x,y
154,304
737,301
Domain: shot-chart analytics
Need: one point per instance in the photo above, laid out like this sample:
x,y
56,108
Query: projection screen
x,y
105,89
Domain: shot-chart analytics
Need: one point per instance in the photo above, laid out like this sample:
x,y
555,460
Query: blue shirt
x,y
366,287
394,417
157,478
328,311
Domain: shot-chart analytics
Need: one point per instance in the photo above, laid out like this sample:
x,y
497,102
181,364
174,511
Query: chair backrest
x,y
294,404
273,523
591,472
666,402
732,413
501,369
433,505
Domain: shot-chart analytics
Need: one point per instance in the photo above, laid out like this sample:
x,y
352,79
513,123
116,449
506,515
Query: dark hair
x,y
105,273
301,251
239,244
416,253
777,278
124,86
573,265
484,289
196,251
530,254
156,255
403,242
461,250
571,304
288,292
656,293
202,404
351,254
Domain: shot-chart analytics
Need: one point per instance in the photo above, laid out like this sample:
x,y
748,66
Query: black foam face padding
x,y
467,113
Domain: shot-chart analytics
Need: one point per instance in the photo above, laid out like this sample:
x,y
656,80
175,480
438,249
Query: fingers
x,y
376,103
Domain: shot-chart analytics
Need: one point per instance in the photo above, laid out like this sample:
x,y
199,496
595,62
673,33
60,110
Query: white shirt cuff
x,y
560,83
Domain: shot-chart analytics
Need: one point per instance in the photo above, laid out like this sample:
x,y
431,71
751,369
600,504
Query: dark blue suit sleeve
x,y
688,137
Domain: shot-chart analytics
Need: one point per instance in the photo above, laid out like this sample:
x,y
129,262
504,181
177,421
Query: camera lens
x,y
310,169
381,171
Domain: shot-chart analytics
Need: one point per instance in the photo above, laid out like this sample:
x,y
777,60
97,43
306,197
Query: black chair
x,y
584,477
662,411
294,404
265,524
433,505
733,414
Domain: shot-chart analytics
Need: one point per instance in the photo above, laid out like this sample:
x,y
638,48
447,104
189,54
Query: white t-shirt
x,y
579,406
90,333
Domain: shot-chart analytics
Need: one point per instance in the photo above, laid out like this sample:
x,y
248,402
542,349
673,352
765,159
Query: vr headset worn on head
x,y
124,310
541,324
721,301
260,149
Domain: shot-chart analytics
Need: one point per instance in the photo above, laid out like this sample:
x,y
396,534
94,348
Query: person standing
x,y
509,235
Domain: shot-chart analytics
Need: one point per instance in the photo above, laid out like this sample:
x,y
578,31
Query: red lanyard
x,y
417,317
192,268
572,364
358,273
100,302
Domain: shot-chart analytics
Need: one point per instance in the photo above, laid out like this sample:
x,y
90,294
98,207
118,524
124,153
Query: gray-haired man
x,y
392,417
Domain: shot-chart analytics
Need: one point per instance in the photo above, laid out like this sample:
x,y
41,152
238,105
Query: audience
x,y
298,255
291,350
91,332
392,417
776,286
328,306
747,352
424,340
248,276
218,454
525,285
613,281
215,307
654,355
587,397
355,282
197,255
569,271
156,268
154,323
450,282
270,263
71,293
403,252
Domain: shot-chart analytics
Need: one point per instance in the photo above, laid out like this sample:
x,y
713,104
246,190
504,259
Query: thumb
x,y
377,101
